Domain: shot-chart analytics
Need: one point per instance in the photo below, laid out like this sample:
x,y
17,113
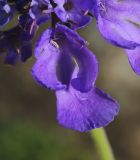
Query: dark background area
x,y
28,126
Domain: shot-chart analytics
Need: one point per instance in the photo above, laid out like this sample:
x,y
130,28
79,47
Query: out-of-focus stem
x,y
102,144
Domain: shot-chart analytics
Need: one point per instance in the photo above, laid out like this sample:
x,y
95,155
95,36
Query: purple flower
x,y
119,23
28,25
66,65
40,11
134,59
63,61
74,11
5,13
16,42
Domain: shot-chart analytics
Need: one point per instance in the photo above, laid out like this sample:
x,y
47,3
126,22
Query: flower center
x,y
68,6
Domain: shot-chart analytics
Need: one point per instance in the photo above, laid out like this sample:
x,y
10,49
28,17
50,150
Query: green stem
x,y
102,144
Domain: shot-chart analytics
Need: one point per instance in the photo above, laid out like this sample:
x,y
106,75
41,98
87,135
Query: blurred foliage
x,y
25,142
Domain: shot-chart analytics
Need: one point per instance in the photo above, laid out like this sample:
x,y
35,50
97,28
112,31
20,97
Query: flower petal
x,y
39,11
69,50
85,59
88,69
59,1
85,111
112,33
6,13
119,22
134,59
45,71
73,12
26,51
42,43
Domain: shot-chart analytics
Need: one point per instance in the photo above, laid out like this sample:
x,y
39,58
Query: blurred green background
x,y
28,126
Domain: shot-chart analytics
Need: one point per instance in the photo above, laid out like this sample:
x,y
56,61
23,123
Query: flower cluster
x,y
63,61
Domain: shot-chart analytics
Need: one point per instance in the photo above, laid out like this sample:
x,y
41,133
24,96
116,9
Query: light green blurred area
x,y
28,126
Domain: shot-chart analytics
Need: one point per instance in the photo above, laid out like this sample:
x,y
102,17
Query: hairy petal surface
x,y
119,21
45,72
85,111
43,43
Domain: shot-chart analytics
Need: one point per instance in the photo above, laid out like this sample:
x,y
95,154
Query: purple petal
x,y
85,111
112,33
54,64
59,1
85,59
40,11
42,43
72,11
45,70
70,50
119,22
16,44
11,57
65,68
6,13
88,69
26,51
134,59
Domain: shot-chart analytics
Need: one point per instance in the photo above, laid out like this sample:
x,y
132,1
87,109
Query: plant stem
x,y
102,144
